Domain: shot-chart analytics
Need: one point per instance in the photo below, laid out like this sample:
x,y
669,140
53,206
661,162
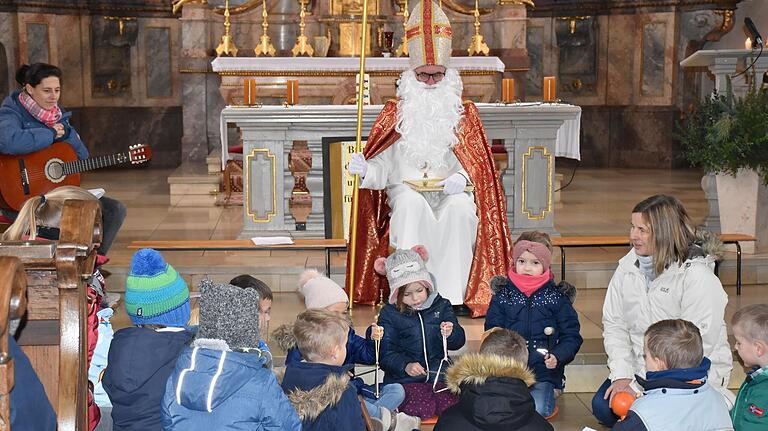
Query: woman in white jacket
x,y
668,274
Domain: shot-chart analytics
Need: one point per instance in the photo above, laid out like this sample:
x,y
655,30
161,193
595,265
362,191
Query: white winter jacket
x,y
690,291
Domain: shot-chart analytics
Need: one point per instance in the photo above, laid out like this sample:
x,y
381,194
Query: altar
x,y
285,150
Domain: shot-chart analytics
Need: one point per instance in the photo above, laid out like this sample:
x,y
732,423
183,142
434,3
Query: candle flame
x,y
748,43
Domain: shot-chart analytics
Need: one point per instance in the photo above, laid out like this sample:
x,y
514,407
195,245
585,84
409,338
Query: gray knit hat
x,y
229,313
404,267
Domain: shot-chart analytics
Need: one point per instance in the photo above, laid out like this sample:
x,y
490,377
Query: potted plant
x,y
728,138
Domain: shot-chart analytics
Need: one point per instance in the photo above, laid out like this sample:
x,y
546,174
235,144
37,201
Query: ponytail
x,y
44,211
26,222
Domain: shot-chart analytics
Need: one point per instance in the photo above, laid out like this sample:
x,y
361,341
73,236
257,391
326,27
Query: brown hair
x,y
671,231
535,236
318,331
246,281
402,306
505,343
677,342
44,211
753,320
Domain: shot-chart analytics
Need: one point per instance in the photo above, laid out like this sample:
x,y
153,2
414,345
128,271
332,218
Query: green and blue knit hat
x,y
154,291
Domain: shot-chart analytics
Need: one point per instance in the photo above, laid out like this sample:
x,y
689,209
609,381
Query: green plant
x,y
726,134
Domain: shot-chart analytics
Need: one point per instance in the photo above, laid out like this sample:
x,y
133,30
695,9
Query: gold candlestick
x,y
265,46
402,50
477,46
302,47
227,46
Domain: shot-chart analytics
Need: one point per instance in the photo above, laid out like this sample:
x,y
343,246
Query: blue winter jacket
x,y
30,408
414,336
678,399
323,397
138,365
224,390
528,316
21,133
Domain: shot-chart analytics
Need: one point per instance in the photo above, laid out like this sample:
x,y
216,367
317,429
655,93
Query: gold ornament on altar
x,y
402,50
227,46
429,35
477,46
265,46
302,47
517,2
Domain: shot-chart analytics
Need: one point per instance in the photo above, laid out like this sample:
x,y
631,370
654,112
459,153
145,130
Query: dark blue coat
x,y
21,133
224,390
313,389
30,408
511,309
403,342
138,365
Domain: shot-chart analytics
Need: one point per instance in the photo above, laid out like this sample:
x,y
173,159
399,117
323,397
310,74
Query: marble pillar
x,y
194,60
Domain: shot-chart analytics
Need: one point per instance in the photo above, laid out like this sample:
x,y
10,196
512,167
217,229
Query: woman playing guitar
x,y
31,120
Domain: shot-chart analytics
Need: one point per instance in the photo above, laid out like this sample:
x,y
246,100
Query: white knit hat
x,y
320,291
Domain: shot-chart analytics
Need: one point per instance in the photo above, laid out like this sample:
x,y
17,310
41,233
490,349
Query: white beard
x,y
428,118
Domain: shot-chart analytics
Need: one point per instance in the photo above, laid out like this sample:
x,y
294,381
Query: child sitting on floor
x,y
493,388
419,328
221,381
319,387
676,395
528,302
750,328
322,293
141,357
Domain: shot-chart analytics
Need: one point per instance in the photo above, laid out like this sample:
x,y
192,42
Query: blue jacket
x,y
678,399
138,365
528,316
323,397
21,133
403,342
359,351
30,408
223,390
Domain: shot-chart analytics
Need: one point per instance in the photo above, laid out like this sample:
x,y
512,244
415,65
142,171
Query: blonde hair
x,y
671,231
44,211
753,320
676,342
318,331
535,236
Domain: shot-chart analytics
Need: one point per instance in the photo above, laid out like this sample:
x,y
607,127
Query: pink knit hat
x,y
320,291
536,248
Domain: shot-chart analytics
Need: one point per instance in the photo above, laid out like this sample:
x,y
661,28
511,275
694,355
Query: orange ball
x,y
621,403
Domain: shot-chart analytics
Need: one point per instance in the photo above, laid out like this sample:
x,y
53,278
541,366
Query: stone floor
x,y
597,202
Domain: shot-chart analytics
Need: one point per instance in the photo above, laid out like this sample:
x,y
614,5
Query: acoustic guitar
x,y
27,175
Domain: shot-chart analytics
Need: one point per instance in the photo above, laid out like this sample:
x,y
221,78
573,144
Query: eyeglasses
x,y
436,77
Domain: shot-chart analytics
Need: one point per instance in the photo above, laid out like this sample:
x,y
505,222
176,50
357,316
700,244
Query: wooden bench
x,y
54,335
564,242
326,245
13,304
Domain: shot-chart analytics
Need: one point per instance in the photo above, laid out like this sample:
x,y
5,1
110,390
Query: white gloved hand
x,y
357,165
454,184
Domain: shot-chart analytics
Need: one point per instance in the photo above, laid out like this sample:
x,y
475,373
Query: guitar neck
x,y
95,163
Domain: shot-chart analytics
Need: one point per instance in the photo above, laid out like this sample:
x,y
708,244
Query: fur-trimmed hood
x,y
494,396
476,368
283,337
706,244
309,404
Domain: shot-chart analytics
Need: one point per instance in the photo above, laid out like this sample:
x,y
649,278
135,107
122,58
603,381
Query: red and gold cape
x,y
493,250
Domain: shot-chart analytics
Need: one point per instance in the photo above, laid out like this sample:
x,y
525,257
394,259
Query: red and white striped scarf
x,y
47,116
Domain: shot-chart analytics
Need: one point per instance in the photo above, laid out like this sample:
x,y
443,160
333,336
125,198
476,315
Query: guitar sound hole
x,y
54,170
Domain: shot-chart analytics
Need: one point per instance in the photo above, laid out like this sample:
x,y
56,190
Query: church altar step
x,y
192,184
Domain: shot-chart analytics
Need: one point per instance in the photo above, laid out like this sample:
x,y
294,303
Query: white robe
x,y
445,224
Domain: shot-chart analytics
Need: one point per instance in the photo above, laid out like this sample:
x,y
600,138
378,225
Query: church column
x,y
193,64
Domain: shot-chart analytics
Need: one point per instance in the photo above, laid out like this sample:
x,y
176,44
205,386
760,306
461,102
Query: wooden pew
x,y
54,334
13,304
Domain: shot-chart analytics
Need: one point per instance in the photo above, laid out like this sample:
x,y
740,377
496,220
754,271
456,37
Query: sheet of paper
x,y
97,192
271,240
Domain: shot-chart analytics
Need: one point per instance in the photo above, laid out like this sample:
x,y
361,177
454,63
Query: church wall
x,y
622,67
124,88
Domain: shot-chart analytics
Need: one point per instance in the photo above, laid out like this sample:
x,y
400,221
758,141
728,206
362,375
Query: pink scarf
x,y
45,116
529,284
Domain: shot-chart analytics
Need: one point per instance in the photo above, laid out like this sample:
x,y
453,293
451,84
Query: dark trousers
x,y
601,408
112,214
